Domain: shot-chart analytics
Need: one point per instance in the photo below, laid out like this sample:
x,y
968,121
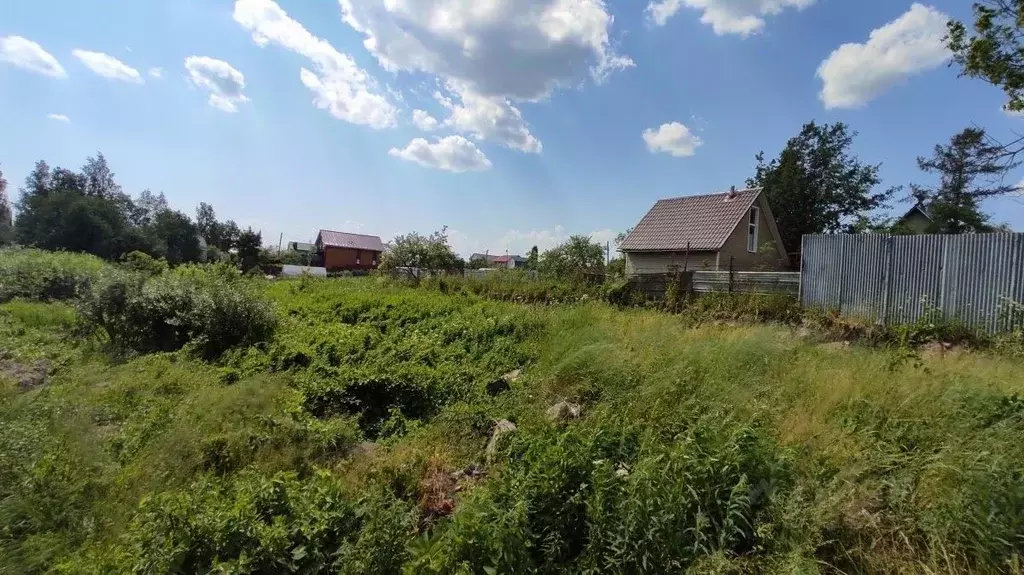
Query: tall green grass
x,y
334,445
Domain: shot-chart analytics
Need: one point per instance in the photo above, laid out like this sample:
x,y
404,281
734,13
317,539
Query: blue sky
x,y
539,118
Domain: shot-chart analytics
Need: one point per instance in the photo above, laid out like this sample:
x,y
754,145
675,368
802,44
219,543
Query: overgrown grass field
x,y
350,434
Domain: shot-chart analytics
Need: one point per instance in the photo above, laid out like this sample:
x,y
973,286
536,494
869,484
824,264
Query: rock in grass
x,y
27,376
501,429
504,383
563,411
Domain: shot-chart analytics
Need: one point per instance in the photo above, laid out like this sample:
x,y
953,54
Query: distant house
x,y
342,251
302,247
510,262
916,221
706,233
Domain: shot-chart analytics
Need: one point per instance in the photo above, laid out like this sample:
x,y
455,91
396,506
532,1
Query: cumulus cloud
x,y
673,138
453,154
28,55
491,118
108,66
339,86
854,74
520,49
743,17
156,72
490,55
224,83
424,121
59,118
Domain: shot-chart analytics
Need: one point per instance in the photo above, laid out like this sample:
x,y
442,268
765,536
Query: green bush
x,y
211,308
260,524
144,263
45,276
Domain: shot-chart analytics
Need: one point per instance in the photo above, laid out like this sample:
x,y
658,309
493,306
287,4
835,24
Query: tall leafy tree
x,y
415,250
249,244
533,260
147,206
817,185
970,169
98,180
993,50
176,237
576,256
6,221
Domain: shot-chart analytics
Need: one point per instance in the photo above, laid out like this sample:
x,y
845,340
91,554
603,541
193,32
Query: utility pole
x,y
279,241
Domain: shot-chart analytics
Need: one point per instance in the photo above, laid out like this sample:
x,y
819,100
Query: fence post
x,y
731,258
886,278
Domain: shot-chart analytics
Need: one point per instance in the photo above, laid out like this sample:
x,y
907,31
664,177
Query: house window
x,y
752,231
359,257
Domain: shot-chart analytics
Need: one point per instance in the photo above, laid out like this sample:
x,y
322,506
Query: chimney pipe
x,y
732,193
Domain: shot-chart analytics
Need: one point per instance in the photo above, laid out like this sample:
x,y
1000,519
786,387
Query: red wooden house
x,y
342,251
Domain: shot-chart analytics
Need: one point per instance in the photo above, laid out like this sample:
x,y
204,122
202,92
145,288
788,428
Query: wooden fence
x,y
747,282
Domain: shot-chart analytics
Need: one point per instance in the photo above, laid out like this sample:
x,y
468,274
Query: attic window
x,y
752,231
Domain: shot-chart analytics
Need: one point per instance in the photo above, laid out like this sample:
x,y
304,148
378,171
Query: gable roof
x,y
697,223
352,241
918,207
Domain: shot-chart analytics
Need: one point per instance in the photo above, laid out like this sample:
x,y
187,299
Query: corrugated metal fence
x,y
973,278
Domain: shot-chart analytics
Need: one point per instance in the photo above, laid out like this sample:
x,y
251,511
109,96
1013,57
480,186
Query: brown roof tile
x,y
353,241
703,222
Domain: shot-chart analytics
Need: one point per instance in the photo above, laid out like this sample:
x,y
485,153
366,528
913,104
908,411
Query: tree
x,y
249,244
97,178
970,169
995,51
414,250
533,260
815,185
6,222
229,236
573,258
147,206
176,238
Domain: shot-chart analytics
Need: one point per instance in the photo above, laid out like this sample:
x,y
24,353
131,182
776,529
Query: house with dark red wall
x,y
342,251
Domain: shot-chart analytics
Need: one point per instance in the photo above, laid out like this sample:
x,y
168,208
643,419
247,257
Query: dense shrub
x,y
261,524
144,263
516,286
211,308
45,276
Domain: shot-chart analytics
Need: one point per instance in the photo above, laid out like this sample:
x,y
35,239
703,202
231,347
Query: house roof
x,y
918,207
697,223
353,241
505,259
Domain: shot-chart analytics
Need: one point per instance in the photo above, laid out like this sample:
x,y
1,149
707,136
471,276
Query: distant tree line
x,y
87,211
578,256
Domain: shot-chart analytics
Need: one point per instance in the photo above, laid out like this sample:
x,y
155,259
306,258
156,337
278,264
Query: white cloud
x,y
224,83
424,121
490,118
108,66
59,118
520,49
743,17
156,72
854,74
673,138
28,55
339,86
453,154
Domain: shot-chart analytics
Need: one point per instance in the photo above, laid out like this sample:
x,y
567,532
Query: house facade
x,y
707,232
342,251
509,262
916,221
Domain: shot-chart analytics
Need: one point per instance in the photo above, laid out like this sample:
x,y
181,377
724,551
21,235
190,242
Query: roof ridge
x,y
738,191
349,233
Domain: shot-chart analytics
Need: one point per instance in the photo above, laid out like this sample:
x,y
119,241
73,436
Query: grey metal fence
x,y
977,279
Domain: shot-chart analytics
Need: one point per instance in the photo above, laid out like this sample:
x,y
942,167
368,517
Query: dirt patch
x,y
26,375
